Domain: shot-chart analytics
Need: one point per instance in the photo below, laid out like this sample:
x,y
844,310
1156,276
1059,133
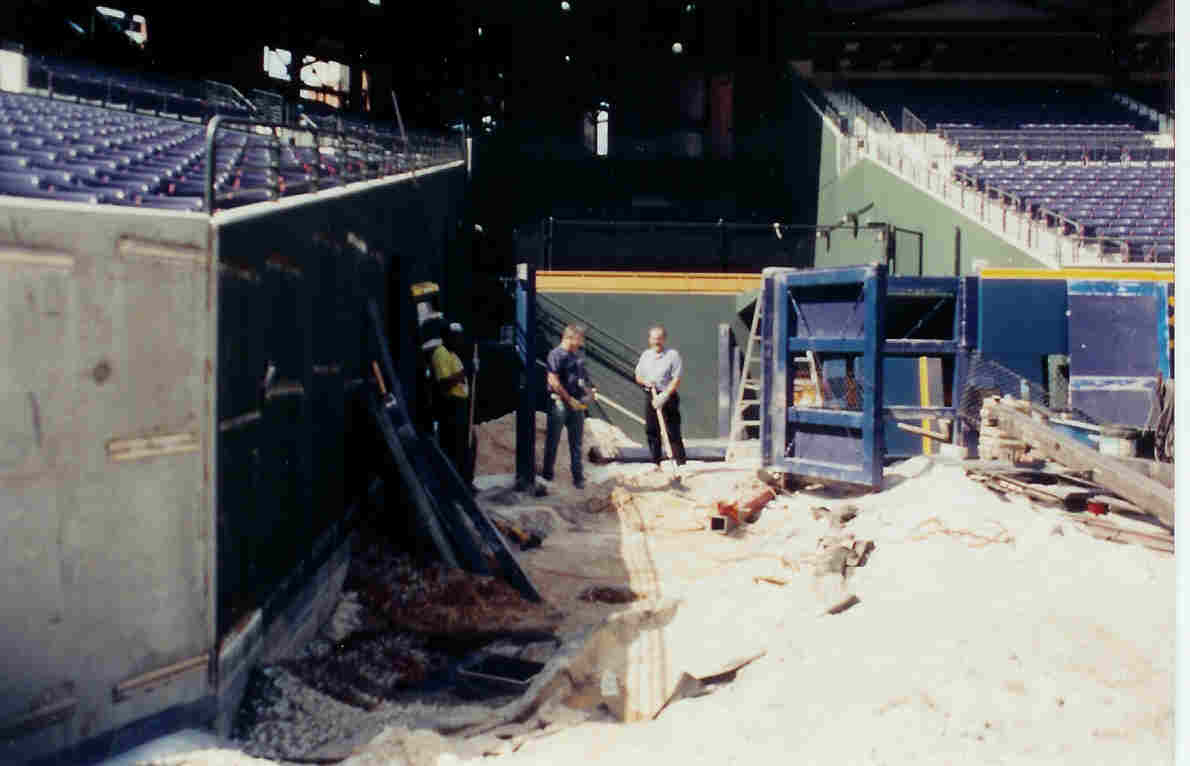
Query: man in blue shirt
x,y
659,371
568,382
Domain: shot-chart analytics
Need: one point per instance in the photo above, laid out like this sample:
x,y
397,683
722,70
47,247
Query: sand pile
x,y
983,630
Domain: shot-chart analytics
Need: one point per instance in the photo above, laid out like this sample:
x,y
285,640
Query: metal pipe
x,y
705,226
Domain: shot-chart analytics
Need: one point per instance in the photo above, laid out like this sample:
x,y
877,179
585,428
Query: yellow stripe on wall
x,y
1127,275
658,282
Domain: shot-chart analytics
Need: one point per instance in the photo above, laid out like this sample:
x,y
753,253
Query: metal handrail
x,y
244,101
591,327
358,159
708,226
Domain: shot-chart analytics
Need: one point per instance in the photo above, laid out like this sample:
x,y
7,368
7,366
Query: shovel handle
x,y
379,378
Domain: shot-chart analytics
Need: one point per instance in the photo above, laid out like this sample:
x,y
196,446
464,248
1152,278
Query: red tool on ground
x,y
745,509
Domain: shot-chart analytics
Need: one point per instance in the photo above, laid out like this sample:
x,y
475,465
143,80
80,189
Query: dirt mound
x,y
497,444
451,602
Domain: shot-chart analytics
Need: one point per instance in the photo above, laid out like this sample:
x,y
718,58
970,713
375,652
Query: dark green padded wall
x,y
691,322
293,290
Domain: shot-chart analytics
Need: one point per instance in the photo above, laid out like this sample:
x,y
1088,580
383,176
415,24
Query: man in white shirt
x,y
659,371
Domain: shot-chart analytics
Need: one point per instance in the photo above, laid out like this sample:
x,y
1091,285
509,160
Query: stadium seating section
x,y
102,146
1070,156
1129,204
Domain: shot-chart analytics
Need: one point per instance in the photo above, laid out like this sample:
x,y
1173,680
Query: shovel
x,y
665,440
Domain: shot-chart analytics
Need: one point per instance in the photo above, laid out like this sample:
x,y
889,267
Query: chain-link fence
x,y
987,377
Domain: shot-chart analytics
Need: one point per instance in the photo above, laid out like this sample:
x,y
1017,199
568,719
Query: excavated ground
x,y
932,622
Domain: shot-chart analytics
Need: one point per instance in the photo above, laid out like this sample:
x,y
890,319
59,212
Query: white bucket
x,y
1118,441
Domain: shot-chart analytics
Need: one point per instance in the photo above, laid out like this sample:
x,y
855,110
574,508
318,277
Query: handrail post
x,y
275,163
317,161
212,126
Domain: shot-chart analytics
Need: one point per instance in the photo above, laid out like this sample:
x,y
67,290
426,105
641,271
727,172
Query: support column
x,y
726,387
526,342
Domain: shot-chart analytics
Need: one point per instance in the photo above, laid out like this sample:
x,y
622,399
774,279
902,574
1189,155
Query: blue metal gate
x,y
838,314
844,316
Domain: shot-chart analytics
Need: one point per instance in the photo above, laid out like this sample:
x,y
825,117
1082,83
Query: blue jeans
x,y
560,415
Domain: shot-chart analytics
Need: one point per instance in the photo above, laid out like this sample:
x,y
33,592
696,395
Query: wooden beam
x,y
1110,473
926,435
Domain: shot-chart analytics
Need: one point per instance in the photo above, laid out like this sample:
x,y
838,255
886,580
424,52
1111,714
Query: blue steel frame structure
x,y
849,445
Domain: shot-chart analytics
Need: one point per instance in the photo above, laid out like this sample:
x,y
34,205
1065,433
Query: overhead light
x,y
689,7
565,5
677,47
568,58
479,32
374,2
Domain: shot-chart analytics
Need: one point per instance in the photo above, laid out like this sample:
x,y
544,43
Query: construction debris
x,y
1021,424
994,444
652,614
1073,495
745,508
451,602
609,594
1161,421
838,516
833,559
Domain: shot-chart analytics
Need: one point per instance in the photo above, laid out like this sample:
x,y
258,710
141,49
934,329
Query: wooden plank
x,y
1110,473
1162,472
926,436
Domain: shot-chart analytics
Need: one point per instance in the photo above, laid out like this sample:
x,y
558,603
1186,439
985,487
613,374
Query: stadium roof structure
x,y
976,17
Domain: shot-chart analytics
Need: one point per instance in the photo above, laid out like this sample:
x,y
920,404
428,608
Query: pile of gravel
x,y
360,675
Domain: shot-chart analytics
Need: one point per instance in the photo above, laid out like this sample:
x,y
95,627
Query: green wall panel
x,y
691,323
899,203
